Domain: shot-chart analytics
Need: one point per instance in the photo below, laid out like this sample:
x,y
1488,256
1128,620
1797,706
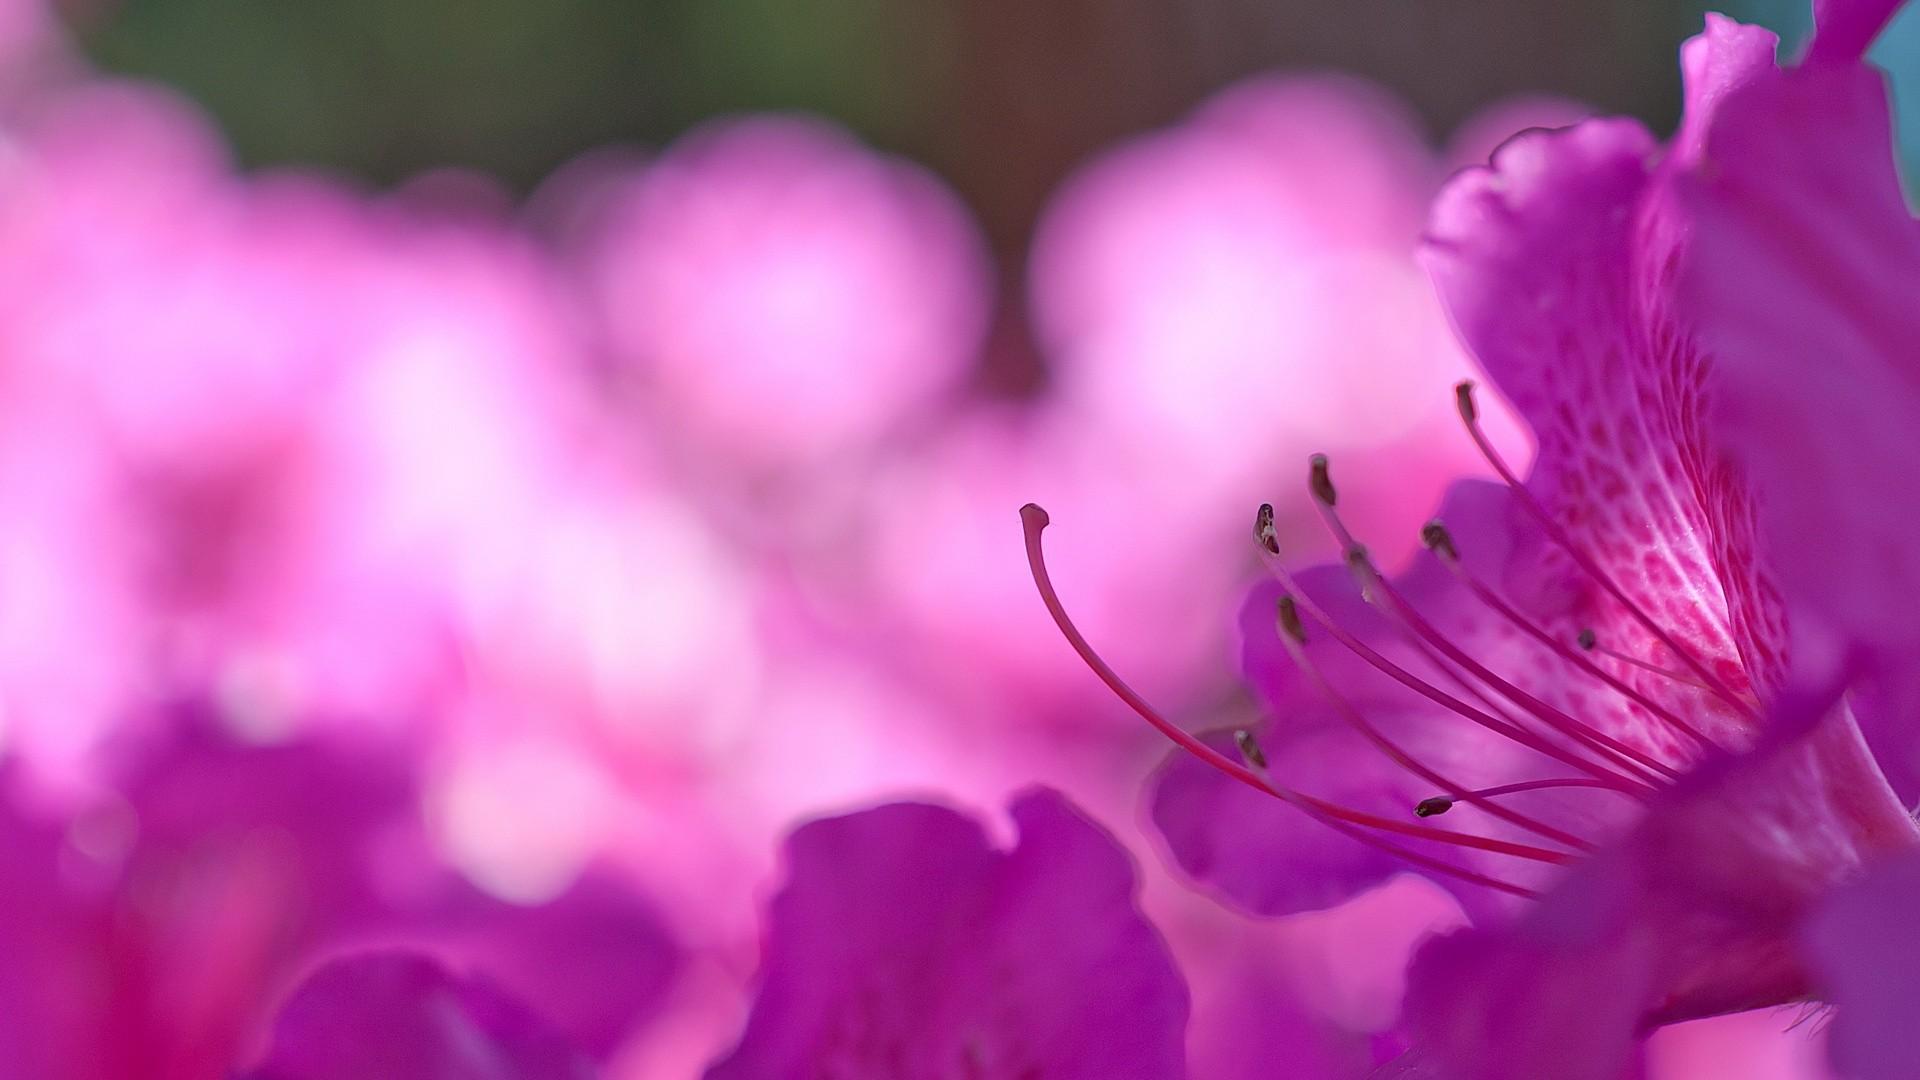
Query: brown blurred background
x,y
1003,97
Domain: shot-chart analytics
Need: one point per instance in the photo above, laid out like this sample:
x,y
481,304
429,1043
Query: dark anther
x,y
1318,481
1463,400
1250,749
1439,804
1438,539
1263,529
1289,618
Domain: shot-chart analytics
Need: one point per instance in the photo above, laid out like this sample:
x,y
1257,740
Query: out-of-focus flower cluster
x,y
504,580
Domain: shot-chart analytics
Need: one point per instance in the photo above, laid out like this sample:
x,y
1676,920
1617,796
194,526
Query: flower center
x,y
1472,691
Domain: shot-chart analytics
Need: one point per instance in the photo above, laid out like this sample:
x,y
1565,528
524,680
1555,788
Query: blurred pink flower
x,y
936,549
904,944
1240,290
1232,292
104,194
779,293
150,930
300,429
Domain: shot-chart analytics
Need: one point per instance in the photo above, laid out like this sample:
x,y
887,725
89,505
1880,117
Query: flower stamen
x,y
1440,804
1589,642
1504,728
1257,761
1293,636
1034,521
1439,541
1380,592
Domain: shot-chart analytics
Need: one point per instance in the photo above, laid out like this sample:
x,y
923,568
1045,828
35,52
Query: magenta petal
x,y
1723,57
1692,914
1542,265
401,1014
1559,1001
1803,272
1557,266
1843,29
1257,853
1545,219
904,944
45,921
595,958
1866,956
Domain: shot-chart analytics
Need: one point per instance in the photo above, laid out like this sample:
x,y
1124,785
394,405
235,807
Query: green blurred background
x,y
1003,97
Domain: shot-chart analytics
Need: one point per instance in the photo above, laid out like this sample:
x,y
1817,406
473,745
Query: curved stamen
x,y
1293,637
1320,483
1375,587
1440,542
1470,414
1555,718
1034,520
1524,737
1257,761
1440,804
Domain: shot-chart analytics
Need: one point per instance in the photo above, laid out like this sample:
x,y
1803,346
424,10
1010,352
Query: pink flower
x,y
1197,290
1621,678
397,1013
783,293
1247,277
149,932
904,944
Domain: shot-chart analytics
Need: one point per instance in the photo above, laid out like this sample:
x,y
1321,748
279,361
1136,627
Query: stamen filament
x,y
1588,642
1034,520
1288,637
1440,804
1258,762
1440,697
1374,587
1449,558
1463,394
1553,717
1635,764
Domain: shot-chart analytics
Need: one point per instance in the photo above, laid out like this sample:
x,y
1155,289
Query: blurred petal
x,y
1258,853
1867,958
400,1014
219,871
903,944
1844,28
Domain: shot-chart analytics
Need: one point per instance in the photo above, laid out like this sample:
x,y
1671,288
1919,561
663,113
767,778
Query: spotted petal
x,y
1555,265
